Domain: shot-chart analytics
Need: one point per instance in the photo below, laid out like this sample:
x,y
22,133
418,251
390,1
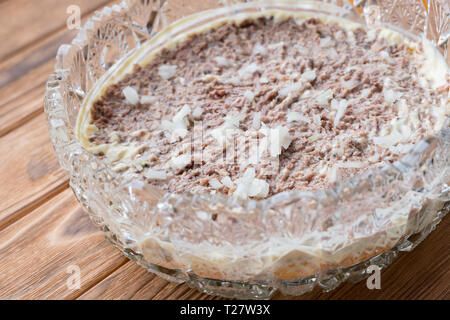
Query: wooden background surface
x,y
43,230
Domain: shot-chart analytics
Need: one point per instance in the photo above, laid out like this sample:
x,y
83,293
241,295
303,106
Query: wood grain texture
x,y
134,282
37,251
27,21
25,106
33,56
29,170
24,74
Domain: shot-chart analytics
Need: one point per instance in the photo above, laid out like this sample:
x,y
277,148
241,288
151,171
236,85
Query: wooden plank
x,y
124,283
32,79
134,282
420,274
30,20
36,252
39,53
30,171
24,75
22,108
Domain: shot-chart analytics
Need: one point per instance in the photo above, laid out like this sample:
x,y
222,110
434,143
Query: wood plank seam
x,y
49,34
25,119
29,207
17,70
13,77
37,250
100,279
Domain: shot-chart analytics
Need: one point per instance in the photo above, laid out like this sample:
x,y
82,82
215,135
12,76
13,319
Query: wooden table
x,y
43,230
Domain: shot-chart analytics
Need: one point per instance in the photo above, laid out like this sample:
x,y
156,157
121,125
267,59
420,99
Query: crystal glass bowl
x,y
290,242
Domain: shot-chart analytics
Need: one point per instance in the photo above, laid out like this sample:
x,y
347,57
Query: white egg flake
x,y
182,115
197,113
202,215
257,121
277,45
326,42
215,184
230,124
309,75
249,96
155,175
324,97
399,132
401,148
227,182
259,49
179,125
365,92
148,99
332,174
293,88
250,187
317,119
391,96
341,108
247,72
223,62
167,71
264,80
277,138
131,95
384,54
180,162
